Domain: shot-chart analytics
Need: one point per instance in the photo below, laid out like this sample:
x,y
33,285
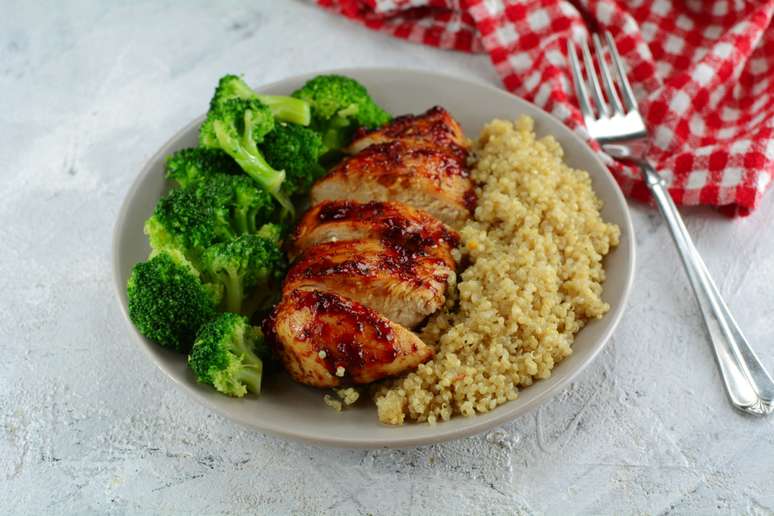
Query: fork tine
x,y
606,77
591,73
580,86
628,94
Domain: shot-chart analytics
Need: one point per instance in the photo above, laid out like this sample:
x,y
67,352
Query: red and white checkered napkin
x,y
703,72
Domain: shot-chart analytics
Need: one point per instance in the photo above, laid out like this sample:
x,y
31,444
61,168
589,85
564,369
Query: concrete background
x,y
89,90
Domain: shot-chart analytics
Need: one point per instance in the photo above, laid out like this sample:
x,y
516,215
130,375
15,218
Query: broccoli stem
x,y
245,220
242,220
288,109
288,210
348,111
234,292
253,163
336,135
226,234
251,374
247,155
250,216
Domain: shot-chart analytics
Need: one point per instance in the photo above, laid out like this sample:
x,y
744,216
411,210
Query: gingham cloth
x,y
702,71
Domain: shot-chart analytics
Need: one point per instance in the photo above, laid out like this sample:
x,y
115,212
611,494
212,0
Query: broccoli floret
x,y
189,223
188,165
167,301
253,206
211,210
250,206
339,106
296,150
275,233
287,109
226,355
237,126
249,268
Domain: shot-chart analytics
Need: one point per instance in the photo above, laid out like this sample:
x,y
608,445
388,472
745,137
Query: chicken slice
x,y
424,178
398,223
435,127
402,285
326,340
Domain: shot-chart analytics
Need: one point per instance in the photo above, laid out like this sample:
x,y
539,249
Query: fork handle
x,y
749,386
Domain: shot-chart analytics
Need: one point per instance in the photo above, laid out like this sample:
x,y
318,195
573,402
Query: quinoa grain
x,y
535,247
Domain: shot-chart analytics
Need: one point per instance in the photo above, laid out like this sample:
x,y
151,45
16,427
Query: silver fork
x,y
619,128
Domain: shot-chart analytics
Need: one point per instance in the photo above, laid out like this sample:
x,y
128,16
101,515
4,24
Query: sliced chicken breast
x,y
399,223
326,340
424,178
402,285
435,127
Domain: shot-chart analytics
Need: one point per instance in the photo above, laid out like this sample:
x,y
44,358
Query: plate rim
x,y
500,414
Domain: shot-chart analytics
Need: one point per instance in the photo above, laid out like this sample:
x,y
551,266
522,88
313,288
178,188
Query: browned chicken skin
x,y
326,340
435,127
393,222
422,177
402,284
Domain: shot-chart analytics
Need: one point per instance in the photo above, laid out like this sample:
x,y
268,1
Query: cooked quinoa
x,y
344,398
535,247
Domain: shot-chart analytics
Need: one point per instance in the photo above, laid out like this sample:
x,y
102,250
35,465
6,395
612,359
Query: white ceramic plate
x,y
294,411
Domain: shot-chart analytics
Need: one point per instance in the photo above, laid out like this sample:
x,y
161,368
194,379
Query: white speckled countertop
x,y
89,426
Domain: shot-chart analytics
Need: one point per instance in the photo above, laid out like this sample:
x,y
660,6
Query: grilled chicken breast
x,y
325,340
374,254
435,127
395,222
402,285
425,178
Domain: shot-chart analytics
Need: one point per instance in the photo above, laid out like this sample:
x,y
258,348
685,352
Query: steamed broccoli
x,y
273,233
339,106
296,150
286,109
189,223
250,205
247,267
210,210
226,355
187,165
167,301
237,126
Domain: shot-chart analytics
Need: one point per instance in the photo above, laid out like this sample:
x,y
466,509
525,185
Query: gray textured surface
x,y
88,425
